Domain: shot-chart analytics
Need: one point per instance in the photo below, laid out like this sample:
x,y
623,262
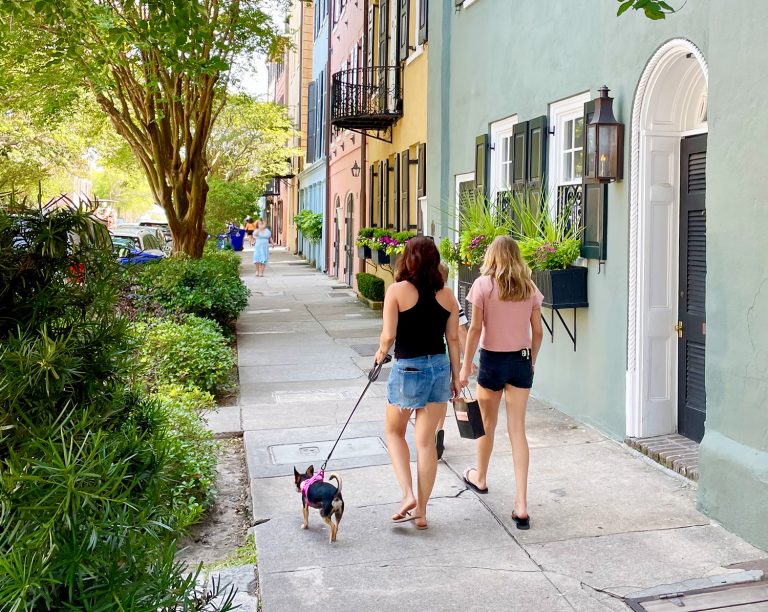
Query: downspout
x,y
327,143
363,140
295,206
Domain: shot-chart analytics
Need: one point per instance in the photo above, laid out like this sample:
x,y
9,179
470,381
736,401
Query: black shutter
x,y
481,164
372,218
311,119
423,20
537,153
594,206
383,58
404,23
421,181
383,192
520,156
371,43
405,190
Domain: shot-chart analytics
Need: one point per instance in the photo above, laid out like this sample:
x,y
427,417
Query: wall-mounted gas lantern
x,y
605,142
355,170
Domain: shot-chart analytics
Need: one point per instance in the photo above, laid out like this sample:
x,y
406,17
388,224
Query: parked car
x,y
161,236
145,240
163,227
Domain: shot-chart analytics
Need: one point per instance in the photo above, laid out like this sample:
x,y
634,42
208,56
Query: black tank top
x,y
421,329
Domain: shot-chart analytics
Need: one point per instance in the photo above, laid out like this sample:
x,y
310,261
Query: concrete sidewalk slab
x,y
361,487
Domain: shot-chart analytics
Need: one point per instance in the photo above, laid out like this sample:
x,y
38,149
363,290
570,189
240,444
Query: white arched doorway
x,y
669,112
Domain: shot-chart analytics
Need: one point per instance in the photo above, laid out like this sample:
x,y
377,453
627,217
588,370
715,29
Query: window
x,y
501,155
566,153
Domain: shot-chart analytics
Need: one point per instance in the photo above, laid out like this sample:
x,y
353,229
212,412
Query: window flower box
x,y
364,252
380,257
563,288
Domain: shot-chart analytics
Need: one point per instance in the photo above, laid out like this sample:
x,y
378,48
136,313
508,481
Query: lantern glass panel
x,y
607,148
591,151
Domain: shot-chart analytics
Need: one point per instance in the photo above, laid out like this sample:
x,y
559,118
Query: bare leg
x,y
399,454
426,455
517,400
489,408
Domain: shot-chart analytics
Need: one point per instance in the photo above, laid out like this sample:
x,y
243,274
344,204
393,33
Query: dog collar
x,y
309,482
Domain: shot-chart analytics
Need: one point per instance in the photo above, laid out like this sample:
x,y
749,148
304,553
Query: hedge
x,y
370,286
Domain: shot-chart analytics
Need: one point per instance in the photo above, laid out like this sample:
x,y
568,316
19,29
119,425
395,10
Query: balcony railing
x,y
367,98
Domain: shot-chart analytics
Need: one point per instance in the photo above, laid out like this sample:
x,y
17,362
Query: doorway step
x,y
673,451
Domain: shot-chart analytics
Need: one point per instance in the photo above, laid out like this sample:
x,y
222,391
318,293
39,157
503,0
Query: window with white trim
x,y
566,151
501,155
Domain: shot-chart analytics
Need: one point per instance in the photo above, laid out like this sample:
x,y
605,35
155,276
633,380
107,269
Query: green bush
x,y
92,493
370,286
208,287
191,449
190,351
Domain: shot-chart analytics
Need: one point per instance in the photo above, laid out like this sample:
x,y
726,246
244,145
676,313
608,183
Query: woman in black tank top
x,y
420,317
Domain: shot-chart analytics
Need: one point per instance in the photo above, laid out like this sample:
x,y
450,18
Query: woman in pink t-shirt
x,y
506,322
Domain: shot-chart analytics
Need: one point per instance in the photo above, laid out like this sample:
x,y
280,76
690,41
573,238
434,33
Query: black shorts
x,y
500,369
249,232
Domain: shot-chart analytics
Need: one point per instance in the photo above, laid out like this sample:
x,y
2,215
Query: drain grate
x,y
340,295
736,597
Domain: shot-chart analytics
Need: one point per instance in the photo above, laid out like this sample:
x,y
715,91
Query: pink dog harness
x,y
304,486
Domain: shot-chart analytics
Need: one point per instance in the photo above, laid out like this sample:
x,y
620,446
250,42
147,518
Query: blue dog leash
x,y
372,376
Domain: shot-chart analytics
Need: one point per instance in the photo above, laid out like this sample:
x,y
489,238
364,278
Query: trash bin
x,y
236,237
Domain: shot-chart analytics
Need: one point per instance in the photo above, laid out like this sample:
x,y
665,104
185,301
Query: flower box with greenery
x,y
550,245
363,242
386,245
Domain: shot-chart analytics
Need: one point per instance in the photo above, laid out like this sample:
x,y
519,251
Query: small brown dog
x,y
322,495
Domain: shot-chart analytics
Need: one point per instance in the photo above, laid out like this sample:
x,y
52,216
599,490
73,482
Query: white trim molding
x,y
647,129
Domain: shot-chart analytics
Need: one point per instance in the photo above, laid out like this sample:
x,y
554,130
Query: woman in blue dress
x,y
263,240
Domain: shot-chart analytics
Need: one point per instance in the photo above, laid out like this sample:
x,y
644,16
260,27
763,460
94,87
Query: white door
x,y
659,280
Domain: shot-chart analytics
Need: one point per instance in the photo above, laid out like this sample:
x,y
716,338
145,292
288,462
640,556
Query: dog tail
x,y
337,478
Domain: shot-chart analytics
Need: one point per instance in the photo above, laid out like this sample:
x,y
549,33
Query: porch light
x,y
605,142
356,170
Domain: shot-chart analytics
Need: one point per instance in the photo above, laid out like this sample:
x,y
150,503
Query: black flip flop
x,y
522,523
471,484
439,443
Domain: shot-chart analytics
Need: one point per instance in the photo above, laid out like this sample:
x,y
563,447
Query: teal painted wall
x,y
496,58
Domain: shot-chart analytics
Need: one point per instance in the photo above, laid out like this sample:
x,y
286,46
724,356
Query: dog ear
x,y
295,472
311,470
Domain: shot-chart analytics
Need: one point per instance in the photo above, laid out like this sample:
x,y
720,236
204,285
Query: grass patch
x,y
242,555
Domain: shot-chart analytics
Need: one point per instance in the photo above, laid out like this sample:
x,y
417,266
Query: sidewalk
x,y
604,522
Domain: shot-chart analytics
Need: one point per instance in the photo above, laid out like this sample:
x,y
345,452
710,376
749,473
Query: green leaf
x,y
623,8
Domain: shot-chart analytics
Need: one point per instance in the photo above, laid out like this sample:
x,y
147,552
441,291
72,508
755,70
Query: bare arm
x,y
389,327
452,339
537,334
473,339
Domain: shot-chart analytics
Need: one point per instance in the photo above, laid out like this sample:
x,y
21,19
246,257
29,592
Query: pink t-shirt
x,y
506,324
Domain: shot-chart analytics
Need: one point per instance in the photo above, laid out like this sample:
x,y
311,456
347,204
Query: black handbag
x,y
468,417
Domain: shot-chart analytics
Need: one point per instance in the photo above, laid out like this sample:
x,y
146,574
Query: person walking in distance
x,y
263,240
250,227
506,323
420,315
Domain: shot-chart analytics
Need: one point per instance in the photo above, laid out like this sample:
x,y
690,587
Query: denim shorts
x,y
416,382
499,369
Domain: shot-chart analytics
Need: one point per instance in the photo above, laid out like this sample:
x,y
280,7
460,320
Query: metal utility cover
x,y
286,454
752,596
365,350
342,294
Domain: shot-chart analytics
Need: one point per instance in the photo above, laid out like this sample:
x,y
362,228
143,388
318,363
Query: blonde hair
x,y
504,263
444,271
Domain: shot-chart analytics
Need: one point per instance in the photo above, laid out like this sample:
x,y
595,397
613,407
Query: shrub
x,y
370,286
190,351
191,449
88,473
208,287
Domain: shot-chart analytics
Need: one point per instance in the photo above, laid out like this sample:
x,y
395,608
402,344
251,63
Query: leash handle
x,y
372,376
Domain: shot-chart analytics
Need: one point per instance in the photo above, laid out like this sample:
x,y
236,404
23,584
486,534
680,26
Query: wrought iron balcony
x,y
367,98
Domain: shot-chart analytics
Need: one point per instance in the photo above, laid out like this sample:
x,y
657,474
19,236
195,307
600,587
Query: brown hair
x,y
504,263
419,264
